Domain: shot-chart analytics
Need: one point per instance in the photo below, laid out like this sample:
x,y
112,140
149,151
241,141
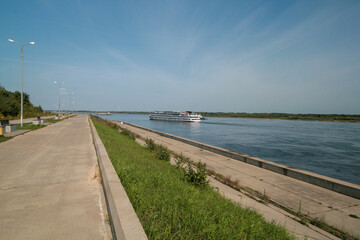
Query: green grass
x,y
3,139
354,216
53,120
30,126
171,208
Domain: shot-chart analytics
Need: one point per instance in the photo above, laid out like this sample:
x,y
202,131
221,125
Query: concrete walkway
x,y
331,207
49,187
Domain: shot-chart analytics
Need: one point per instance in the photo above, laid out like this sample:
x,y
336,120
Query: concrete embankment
x,y
294,193
125,224
336,185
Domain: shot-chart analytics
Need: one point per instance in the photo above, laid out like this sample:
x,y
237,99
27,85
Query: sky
x,y
200,55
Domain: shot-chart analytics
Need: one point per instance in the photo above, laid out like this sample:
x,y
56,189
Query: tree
x,y
10,104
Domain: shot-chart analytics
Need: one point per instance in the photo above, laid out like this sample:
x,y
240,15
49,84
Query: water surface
x,y
328,148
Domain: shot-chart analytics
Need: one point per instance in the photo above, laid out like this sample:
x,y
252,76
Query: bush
x,y
198,177
180,160
128,133
162,153
150,144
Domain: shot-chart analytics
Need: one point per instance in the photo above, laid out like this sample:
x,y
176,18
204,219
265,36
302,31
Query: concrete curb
x,y
346,188
125,224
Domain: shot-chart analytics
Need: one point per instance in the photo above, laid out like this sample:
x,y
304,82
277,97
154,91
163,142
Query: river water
x,y
327,148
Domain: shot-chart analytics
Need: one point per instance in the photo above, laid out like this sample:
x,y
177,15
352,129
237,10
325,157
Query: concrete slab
x,y
16,133
47,189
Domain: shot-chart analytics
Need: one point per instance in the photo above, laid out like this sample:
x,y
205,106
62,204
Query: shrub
x,y
198,177
162,153
150,144
128,133
179,161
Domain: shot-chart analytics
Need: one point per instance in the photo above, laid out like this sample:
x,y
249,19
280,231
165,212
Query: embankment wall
x,y
125,224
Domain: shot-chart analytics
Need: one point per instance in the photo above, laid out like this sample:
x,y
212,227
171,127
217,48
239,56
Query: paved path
x,y
16,133
48,188
332,207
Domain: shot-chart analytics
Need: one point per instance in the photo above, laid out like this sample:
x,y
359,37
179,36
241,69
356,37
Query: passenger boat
x,y
104,113
175,116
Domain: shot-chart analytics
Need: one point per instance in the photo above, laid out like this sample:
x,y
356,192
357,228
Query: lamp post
x,y
69,101
22,58
70,93
56,82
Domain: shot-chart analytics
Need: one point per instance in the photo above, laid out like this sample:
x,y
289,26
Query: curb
x,y
346,188
125,224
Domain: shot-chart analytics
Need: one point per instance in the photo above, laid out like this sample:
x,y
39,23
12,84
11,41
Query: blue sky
x,y
200,55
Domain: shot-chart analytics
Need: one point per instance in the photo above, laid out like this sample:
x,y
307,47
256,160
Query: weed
x,y
299,211
3,138
30,126
162,153
320,222
53,120
227,180
197,177
180,161
264,197
211,171
128,133
107,219
150,144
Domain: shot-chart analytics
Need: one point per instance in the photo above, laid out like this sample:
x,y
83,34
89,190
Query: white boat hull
x,y
175,116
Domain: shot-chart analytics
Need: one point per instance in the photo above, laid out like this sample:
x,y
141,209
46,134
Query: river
x,y
327,148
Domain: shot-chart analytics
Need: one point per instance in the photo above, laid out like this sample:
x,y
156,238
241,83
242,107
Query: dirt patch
x,y
94,175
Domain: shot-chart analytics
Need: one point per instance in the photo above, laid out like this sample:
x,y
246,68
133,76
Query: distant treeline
x,y
10,105
284,116
287,116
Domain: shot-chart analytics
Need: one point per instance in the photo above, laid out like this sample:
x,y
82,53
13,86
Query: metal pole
x,y
22,99
59,104
22,90
69,105
59,101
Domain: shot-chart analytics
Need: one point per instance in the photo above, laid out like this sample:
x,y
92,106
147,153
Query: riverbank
x,y
171,208
287,116
273,116
320,206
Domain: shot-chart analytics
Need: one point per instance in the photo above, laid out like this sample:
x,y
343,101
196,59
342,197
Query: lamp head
x,y
32,43
10,40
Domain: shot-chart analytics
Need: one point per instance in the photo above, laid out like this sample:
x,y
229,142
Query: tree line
x,y
288,116
10,105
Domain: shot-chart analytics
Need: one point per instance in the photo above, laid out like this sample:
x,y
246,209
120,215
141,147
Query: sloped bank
x,y
332,184
124,223
169,207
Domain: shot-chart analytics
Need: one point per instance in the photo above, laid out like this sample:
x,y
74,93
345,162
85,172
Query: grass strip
x,y
53,120
3,139
29,126
171,208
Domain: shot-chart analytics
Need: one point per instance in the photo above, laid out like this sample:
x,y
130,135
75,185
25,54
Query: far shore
x,y
268,116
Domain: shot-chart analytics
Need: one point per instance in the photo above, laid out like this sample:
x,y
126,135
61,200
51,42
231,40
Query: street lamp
x,y
59,95
70,93
22,58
